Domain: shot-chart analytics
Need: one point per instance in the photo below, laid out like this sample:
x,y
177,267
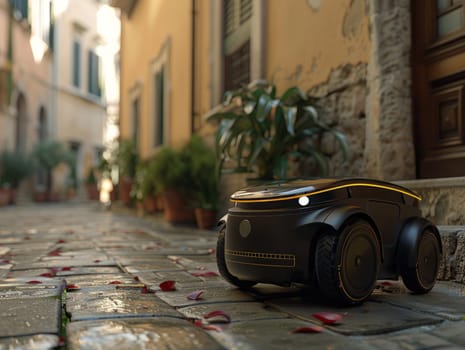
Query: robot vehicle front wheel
x,y
347,262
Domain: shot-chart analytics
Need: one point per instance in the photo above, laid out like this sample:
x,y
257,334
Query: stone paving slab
x,y
64,262
30,291
238,312
178,298
28,316
97,304
453,332
445,336
99,280
365,319
33,342
146,333
277,334
443,301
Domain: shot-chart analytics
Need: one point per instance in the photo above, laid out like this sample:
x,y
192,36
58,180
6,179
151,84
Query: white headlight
x,y
303,201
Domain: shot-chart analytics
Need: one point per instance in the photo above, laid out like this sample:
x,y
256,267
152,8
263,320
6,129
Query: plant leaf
x,y
289,117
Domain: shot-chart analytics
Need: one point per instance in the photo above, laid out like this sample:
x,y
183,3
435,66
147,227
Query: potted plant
x,y
262,131
127,159
91,185
14,167
48,155
171,174
205,181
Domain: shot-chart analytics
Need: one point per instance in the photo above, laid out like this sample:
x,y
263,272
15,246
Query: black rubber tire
x,y
422,277
220,261
347,263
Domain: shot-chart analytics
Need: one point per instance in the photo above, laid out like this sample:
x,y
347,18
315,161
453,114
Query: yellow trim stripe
x,y
309,194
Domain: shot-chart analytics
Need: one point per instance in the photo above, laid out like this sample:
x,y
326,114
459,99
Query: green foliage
x,y
265,131
205,179
91,179
50,153
170,170
191,170
127,158
14,167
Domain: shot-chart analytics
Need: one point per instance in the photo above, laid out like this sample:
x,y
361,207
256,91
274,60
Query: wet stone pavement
x,y
76,276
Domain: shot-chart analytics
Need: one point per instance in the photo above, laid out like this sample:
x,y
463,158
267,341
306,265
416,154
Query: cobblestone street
x,y
81,277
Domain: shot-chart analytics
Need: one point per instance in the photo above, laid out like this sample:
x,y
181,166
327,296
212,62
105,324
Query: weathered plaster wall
x,y
152,24
309,39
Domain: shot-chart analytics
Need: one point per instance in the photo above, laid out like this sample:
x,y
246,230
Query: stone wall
x,y
452,266
341,102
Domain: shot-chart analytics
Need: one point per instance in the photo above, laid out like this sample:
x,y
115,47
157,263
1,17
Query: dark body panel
x,y
271,232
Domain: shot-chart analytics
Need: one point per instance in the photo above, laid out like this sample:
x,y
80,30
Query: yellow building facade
x,y
390,75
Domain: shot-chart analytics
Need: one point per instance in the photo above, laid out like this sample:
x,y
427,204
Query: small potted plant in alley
x,y
127,158
48,155
205,180
172,177
14,168
91,185
261,132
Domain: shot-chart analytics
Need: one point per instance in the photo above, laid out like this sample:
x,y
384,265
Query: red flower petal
x,y
66,269
48,274
146,290
136,278
204,274
97,261
56,252
196,295
115,282
5,261
34,282
309,329
211,251
218,314
71,287
60,241
211,327
328,317
167,286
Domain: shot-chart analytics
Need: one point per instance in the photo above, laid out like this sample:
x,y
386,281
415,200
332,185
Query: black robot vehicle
x,y
340,235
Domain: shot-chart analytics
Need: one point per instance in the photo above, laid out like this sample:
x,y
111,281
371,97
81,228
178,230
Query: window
x,y
237,16
20,9
450,17
159,97
41,15
93,74
76,64
135,112
159,110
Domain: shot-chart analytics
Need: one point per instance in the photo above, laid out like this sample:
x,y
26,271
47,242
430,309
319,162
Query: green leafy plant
x,y
262,131
14,167
49,154
204,174
127,158
91,178
170,170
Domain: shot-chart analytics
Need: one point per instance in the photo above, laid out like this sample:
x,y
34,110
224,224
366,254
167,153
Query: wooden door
x,y
438,62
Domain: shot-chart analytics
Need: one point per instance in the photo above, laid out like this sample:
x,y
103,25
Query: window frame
x,y
160,65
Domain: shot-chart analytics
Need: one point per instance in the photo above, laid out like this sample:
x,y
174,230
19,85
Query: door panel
x,y
438,68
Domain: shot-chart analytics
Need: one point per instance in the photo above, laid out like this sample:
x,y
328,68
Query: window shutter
x,y
76,64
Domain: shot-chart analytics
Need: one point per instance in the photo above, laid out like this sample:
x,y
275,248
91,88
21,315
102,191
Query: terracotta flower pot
x,y
92,192
125,188
4,196
177,209
206,218
150,204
